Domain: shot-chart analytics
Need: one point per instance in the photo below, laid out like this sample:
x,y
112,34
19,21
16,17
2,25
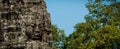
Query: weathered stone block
x,y
25,24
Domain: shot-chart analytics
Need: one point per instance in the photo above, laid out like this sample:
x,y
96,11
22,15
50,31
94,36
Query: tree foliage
x,y
58,37
101,29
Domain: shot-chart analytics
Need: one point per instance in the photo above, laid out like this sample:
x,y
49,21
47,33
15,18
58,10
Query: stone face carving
x,y
25,24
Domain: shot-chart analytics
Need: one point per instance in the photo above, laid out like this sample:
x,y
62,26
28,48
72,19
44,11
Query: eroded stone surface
x,y
25,24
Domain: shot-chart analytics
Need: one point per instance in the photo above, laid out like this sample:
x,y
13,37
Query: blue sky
x,y
66,13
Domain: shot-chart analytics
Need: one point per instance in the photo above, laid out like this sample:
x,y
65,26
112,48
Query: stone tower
x,y
25,24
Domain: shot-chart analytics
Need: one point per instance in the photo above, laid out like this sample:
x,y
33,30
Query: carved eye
x,y
33,25
40,26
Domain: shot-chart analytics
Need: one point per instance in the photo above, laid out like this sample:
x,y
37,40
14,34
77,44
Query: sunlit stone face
x,y
25,24
33,31
33,27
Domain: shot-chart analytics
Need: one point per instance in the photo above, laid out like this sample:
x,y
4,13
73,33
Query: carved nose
x,y
36,29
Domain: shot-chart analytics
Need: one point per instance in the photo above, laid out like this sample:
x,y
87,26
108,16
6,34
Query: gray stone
x,y
25,24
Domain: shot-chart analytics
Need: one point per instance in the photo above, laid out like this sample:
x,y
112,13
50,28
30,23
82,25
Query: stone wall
x,y
25,24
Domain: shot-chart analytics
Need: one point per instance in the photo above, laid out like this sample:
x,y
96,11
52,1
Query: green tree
x,y
101,29
58,37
